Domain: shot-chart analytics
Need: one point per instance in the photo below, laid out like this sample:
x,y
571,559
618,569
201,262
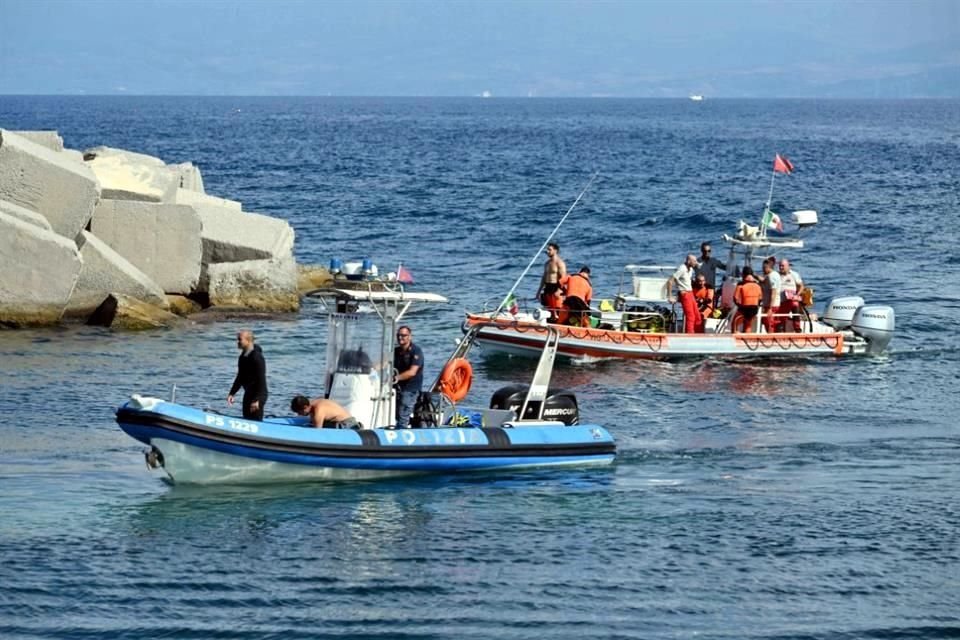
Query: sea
x,y
778,499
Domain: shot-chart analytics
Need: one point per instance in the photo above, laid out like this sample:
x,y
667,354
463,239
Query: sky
x,y
522,48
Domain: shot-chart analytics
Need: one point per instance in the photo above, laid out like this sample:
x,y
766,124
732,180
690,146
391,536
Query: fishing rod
x,y
544,246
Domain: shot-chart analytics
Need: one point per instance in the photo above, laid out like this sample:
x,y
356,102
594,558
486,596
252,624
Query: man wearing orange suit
x,y
703,294
577,300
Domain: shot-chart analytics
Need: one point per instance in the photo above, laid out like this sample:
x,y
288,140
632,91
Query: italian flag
x,y
512,305
771,221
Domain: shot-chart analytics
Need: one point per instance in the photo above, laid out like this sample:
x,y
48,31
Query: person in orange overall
x,y
747,297
703,294
577,301
683,279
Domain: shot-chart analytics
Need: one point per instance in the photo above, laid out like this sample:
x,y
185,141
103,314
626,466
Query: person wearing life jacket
x,y
703,293
579,294
683,279
747,297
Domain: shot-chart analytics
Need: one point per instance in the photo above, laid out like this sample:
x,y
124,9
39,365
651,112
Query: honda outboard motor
x,y
840,311
560,405
875,323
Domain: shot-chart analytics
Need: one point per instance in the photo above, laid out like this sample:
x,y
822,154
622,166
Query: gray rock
x,y
104,272
161,240
48,183
40,269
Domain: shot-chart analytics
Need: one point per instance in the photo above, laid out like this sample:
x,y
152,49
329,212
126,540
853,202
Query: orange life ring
x,y
456,378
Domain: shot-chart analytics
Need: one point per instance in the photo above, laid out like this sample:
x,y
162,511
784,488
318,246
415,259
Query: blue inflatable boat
x,y
524,427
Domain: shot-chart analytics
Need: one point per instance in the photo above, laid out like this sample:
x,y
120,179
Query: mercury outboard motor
x,y
875,323
840,311
560,405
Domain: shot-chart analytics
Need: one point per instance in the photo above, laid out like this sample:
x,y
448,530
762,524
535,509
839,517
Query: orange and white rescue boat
x,y
640,321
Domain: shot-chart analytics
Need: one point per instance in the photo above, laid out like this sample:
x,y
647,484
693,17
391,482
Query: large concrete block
x,y
129,314
74,155
24,214
104,272
232,236
48,183
161,240
49,139
39,271
125,175
190,178
185,196
263,285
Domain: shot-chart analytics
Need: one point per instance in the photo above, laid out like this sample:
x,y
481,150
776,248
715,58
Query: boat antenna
x,y
516,284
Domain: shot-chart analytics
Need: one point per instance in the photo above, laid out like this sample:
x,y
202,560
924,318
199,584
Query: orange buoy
x,y
456,378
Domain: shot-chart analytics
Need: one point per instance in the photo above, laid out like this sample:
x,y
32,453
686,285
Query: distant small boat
x,y
696,97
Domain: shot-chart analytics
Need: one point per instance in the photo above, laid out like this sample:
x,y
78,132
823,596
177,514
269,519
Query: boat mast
x,y
763,216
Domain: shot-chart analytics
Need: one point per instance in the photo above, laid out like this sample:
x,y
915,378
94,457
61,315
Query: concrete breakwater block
x,y
185,196
189,177
26,215
161,240
49,139
48,183
234,236
264,285
310,277
40,271
182,305
125,175
105,271
125,313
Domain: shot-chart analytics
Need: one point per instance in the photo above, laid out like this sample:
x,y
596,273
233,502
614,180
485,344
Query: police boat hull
x,y
198,447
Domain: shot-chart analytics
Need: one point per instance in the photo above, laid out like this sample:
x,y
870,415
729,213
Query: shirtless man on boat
x,y
554,272
323,413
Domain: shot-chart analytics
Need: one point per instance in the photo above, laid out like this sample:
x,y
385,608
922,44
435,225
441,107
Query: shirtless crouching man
x,y
554,272
323,413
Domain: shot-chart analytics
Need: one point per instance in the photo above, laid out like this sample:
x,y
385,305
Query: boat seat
x,y
355,392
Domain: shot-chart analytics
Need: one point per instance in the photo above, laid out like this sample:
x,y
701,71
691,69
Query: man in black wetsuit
x,y
251,375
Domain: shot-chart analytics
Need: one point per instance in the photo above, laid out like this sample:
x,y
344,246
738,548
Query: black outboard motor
x,y
560,405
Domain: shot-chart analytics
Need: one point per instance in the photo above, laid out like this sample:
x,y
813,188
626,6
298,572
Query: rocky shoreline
x,y
122,239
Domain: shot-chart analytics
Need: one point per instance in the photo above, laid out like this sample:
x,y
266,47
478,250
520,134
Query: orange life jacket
x,y
704,298
578,286
748,294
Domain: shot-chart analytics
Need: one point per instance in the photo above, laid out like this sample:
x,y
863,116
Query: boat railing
x,y
801,316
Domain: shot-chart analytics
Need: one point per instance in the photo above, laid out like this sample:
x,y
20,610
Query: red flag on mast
x,y
782,165
404,276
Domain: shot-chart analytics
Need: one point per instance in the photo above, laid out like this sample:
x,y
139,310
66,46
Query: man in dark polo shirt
x,y
408,363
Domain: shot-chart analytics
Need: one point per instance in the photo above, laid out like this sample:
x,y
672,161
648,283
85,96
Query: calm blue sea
x,y
786,500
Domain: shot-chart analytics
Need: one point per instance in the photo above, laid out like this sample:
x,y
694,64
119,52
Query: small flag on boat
x,y
404,276
782,165
771,220
512,305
